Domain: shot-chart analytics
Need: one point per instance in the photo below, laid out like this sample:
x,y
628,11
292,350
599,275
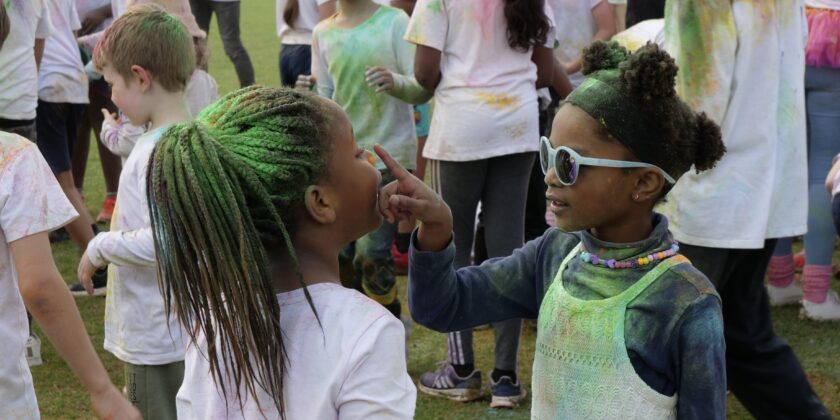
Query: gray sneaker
x,y
444,382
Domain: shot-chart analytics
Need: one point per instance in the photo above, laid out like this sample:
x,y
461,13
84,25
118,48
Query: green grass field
x,y
61,396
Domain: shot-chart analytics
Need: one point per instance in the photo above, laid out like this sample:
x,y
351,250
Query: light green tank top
x,y
581,367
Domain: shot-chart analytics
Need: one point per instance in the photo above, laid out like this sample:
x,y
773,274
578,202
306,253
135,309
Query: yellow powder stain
x,y
500,101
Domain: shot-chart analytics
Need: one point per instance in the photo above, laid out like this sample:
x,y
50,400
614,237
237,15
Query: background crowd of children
x,y
239,226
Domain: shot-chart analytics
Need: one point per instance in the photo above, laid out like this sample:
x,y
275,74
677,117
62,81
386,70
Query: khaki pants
x,y
152,388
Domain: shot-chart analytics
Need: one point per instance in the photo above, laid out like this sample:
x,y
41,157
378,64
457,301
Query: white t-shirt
x,y
636,36
31,201
308,17
759,189
30,20
350,367
62,77
575,28
137,329
486,102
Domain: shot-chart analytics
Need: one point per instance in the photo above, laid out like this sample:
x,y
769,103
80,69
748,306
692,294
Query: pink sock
x,y
780,270
816,280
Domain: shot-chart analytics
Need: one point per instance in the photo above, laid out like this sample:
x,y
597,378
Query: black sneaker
x,y
100,283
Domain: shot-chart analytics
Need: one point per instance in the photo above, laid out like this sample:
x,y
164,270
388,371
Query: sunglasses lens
x,y
566,168
544,157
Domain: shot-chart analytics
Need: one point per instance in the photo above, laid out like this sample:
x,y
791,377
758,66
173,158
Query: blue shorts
x,y
57,126
422,119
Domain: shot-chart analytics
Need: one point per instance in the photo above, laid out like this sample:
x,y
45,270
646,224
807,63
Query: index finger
x,y
393,166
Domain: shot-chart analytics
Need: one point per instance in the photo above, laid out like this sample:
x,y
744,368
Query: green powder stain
x,y
435,6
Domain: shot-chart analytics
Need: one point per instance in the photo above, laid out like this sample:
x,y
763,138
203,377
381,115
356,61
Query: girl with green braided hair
x,y
250,205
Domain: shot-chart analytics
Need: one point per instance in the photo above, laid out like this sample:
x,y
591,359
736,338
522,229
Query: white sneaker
x,y
781,296
826,311
33,350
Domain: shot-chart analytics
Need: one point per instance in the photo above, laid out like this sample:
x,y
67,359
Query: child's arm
x,y
320,71
831,178
400,83
427,30
440,297
135,248
118,135
48,300
543,57
604,18
701,361
377,385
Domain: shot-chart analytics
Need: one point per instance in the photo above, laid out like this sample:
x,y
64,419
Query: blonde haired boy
x,y
147,57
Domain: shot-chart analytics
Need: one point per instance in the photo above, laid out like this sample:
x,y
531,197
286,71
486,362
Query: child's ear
x,y
144,77
648,186
320,205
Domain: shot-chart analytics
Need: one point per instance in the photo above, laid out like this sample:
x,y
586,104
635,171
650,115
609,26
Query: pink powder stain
x,y
484,16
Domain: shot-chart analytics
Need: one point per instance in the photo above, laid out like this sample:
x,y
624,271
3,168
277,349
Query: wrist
x,y
433,237
93,256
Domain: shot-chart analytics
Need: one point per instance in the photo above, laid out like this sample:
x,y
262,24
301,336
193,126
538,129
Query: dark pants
x,y
295,60
761,368
23,128
227,19
58,128
639,10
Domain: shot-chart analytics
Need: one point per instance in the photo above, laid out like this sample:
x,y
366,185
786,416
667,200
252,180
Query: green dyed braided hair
x,y
220,189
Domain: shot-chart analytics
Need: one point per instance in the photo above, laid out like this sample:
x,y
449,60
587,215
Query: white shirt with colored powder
x,y
486,102
350,366
137,329
31,202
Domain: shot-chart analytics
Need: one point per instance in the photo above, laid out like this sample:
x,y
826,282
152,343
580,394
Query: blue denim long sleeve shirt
x,y
673,330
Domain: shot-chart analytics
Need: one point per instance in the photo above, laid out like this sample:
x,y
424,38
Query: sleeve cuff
x,y
93,253
413,252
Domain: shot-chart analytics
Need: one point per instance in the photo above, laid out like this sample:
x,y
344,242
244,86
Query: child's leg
x,y
203,13
780,270
460,185
152,388
227,18
57,130
80,152
503,201
822,99
100,97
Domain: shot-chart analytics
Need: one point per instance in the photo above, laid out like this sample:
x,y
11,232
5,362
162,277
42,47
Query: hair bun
x,y
650,73
708,143
602,55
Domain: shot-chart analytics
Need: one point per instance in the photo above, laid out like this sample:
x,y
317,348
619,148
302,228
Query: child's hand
x,y
380,79
305,82
109,117
832,174
408,197
85,273
111,404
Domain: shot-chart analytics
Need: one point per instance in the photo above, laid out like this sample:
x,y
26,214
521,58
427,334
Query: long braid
x,y
220,188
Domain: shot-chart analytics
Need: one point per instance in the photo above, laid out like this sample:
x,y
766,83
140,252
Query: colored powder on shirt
x,y
500,101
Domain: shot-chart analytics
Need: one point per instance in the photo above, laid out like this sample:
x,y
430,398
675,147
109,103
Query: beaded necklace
x,y
631,263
